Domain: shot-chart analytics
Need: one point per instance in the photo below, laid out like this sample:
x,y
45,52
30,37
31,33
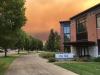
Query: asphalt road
x,y
34,65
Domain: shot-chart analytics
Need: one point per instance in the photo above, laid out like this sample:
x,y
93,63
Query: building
x,y
81,35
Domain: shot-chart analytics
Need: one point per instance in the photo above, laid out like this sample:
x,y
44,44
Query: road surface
x,y
34,65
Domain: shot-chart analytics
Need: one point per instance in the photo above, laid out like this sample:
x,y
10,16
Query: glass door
x,y
83,51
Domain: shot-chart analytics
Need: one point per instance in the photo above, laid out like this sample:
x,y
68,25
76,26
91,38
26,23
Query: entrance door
x,y
82,51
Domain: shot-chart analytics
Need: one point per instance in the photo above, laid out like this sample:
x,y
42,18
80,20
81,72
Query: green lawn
x,y
86,68
5,62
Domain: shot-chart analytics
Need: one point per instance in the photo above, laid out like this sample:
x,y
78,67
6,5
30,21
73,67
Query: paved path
x,y
34,65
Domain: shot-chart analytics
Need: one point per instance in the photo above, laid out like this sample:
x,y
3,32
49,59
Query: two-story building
x,y
81,35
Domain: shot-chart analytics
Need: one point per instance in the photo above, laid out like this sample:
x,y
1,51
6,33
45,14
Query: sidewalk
x,y
34,65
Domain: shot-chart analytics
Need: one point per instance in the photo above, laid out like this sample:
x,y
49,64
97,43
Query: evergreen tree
x,y
57,41
53,42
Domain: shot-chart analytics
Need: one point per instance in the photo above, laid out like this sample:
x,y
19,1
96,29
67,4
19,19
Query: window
x,y
67,33
67,37
98,21
81,29
81,25
67,29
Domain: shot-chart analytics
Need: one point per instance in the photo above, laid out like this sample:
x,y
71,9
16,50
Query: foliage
x,y
21,40
12,18
47,55
57,41
97,59
52,59
53,42
33,44
83,59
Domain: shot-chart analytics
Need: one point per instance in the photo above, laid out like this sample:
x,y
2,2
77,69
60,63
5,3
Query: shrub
x,y
47,55
52,59
83,59
97,59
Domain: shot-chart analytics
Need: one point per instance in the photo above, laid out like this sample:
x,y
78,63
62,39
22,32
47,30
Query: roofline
x,y
64,21
94,7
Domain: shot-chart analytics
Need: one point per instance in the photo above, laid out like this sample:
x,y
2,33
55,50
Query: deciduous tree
x,y
12,18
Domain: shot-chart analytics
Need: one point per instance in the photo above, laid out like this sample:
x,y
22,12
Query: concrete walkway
x,y
34,65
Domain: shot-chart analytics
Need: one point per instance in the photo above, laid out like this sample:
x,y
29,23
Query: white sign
x,y
64,55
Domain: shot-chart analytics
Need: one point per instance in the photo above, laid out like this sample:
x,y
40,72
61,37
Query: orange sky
x,y
43,15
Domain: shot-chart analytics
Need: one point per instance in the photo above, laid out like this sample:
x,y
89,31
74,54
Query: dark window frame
x,y
67,33
98,44
96,20
83,35
78,22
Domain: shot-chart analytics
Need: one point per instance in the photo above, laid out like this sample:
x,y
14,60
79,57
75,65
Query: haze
x,y
43,15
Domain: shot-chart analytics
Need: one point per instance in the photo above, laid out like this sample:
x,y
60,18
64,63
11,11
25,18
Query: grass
x,y
86,68
5,63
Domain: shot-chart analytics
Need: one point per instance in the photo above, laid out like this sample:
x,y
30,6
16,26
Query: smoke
x,y
42,15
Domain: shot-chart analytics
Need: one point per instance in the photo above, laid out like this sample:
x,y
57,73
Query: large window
x,y
81,25
67,33
81,29
66,29
98,21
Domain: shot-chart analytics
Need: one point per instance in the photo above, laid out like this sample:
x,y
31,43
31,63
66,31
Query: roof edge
x,y
98,5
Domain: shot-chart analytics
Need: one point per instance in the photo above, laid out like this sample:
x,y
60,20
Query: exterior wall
x,y
73,50
98,33
73,31
93,32
91,28
62,38
93,51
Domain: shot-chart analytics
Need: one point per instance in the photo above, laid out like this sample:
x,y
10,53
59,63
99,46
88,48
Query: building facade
x,y
81,35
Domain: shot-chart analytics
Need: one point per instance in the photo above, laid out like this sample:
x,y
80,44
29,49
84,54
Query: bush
x,y
97,59
52,59
83,59
47,55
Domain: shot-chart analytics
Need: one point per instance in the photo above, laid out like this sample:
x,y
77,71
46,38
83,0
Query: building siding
x,y
62,38
73,31
91,27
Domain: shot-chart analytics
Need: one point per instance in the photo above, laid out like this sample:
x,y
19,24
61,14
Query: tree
x,y
36,44
21,40
12,18
53,42
33,44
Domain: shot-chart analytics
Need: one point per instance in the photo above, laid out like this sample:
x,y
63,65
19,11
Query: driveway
x,y
34,65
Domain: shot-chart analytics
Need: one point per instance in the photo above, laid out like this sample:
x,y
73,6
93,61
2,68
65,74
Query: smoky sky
x,y
43,15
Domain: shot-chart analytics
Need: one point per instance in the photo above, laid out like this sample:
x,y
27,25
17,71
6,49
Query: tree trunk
x,y
5,52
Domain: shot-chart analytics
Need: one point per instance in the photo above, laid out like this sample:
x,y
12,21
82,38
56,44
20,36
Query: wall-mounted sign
x,y
64,56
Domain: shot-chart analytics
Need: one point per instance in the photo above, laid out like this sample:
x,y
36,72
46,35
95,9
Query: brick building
x,y
81,35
